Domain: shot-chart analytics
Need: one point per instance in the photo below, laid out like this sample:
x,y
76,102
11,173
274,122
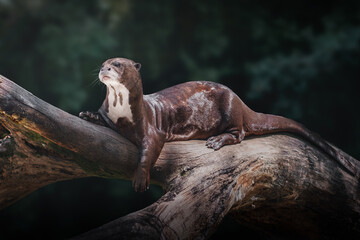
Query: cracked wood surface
x,y
278,184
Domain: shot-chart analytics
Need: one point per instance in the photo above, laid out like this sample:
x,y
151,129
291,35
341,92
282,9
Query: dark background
x,y
299,59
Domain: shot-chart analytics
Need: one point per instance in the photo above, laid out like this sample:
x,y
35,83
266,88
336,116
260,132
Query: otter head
x,y
123,71
124,88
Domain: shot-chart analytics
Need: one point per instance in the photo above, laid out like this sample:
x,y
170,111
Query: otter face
x,y
112,70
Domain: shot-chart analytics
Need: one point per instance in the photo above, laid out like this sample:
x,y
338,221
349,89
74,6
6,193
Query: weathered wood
x,y
278,184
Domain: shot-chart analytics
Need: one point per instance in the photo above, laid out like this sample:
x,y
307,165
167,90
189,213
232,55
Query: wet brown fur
x,y
192,110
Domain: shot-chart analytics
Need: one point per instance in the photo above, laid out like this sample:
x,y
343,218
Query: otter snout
x,y
108,74
105,69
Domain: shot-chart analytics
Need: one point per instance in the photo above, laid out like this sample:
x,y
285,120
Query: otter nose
x,y
105,68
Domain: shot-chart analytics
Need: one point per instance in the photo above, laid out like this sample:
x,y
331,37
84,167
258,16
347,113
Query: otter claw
x,y
91,117
84,115
214,142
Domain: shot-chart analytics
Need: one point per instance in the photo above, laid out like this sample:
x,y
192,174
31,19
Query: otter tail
x,y
259,124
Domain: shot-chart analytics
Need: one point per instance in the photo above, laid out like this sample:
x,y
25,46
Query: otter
x,y
191,110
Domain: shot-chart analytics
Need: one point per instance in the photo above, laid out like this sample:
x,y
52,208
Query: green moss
x,y
43,146
34,137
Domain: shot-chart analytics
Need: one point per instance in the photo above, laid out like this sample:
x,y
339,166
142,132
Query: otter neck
x,y
123,102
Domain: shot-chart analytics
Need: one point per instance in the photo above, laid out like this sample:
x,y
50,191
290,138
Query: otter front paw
x,y
91,117
141,180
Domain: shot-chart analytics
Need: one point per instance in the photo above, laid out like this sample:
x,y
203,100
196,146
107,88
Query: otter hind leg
x,y
228,138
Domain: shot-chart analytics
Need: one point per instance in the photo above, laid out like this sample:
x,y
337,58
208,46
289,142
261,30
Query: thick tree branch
x,y
278,184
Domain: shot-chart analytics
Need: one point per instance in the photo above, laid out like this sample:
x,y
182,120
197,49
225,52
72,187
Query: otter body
x,y
192,110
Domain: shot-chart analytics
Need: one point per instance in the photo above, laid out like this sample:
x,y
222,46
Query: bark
x,y
278,184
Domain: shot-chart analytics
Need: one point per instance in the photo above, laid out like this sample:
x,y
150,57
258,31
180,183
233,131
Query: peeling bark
x,y
278,184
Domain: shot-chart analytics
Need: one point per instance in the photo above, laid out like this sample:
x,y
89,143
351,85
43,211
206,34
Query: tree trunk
x,y
278,184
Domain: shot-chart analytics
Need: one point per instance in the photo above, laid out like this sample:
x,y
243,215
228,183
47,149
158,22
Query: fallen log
x,y
278,184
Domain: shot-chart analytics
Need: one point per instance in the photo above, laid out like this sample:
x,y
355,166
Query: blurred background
x,y
299,59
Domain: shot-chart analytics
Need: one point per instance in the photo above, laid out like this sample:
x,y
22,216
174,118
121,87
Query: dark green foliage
x,y
299,59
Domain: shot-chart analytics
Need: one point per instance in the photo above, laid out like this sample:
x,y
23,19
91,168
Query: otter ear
x,y
137,66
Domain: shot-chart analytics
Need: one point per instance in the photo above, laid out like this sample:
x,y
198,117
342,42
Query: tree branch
x,y
278,184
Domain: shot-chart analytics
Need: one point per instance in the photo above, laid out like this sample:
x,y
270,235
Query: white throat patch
x,y
118,100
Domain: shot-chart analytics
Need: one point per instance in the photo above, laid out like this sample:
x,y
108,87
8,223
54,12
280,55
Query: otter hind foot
x,y
217,142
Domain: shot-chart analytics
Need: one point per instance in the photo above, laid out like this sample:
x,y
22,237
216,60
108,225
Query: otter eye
x,y
116,64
